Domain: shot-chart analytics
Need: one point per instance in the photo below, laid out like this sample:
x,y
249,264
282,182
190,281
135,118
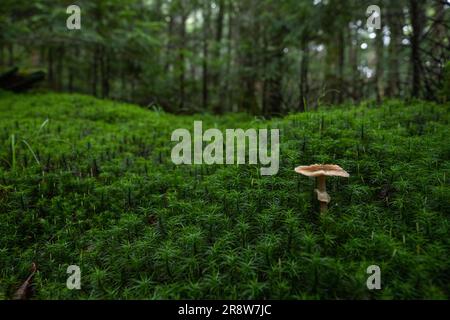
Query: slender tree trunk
x,y
196,50
415,11
304,67
181,62
101,66
72,68
393,86
133,84
442,54
219,106
206,17
247,98
59,68
275,99
330,70
70,80
353,62
104,71
169,45
341,67
35,58
265,84
11,54
220,19
226,93
379,74
42,54
2,55
123,82
108,74
50,66
94,71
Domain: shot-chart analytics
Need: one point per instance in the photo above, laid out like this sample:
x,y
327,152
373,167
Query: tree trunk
x,y
94,71
50,67
416,21
218,106
220,19
304,67
394,20
440,38
123,82
265,81
169,45
379,74
275,98
72,69
42,54
11,54
276,58
59,68
226,93
206,17
341,67
247,99
354,62
181,62
2,55
104,71
70,80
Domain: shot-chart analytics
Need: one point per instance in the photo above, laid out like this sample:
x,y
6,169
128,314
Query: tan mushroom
x,y
320,172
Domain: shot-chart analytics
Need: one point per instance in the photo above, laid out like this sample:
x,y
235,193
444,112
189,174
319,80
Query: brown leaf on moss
x,y
24,291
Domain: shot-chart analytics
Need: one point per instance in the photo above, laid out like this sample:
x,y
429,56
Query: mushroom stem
x,y
321,171
321,183
322,188
323,207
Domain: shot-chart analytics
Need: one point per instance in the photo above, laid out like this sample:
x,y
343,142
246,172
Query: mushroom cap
x,y
317,170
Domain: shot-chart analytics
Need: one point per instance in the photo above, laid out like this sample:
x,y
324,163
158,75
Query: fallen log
x,y
12,80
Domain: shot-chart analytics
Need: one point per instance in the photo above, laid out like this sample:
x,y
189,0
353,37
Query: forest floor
x,y
91,183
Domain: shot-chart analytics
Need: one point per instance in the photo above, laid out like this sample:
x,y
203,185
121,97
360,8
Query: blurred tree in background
x,y
265,57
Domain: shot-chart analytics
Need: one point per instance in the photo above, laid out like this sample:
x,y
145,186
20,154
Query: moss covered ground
x,y
90,182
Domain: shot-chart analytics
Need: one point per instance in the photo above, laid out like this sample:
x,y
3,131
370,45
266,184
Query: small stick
x,y
23,292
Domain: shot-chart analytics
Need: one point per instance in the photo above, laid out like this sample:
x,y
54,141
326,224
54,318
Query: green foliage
x,y
94,186
264,57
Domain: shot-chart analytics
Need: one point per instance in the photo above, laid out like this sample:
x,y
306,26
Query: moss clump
x,y
94,186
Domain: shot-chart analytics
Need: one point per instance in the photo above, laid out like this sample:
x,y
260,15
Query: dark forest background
x,y
264,57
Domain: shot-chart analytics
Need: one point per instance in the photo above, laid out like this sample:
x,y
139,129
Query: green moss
x,y
94,186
